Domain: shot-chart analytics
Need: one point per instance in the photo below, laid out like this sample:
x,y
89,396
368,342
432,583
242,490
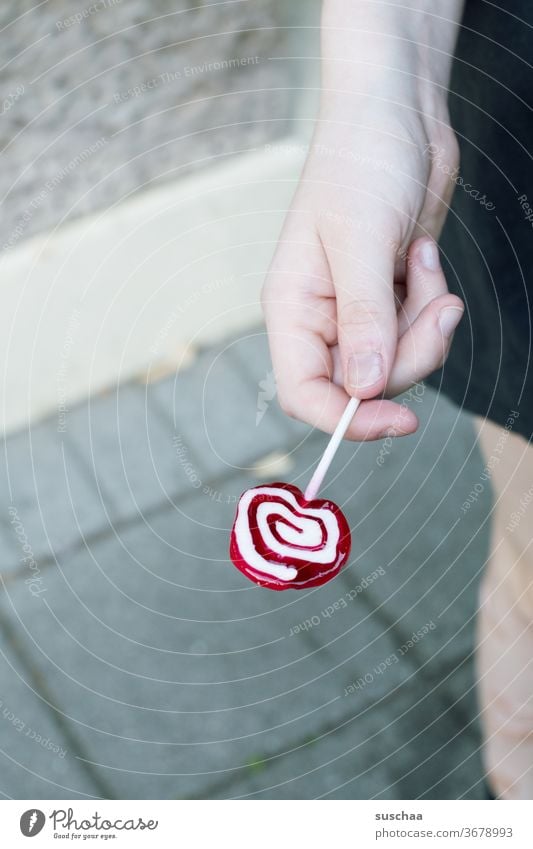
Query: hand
x,y
356,303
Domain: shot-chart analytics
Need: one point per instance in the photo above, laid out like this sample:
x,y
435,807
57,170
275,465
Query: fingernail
x,y
365,369
449,318
429,255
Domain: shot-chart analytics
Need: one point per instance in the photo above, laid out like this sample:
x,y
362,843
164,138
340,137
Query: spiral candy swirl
x,y
281,541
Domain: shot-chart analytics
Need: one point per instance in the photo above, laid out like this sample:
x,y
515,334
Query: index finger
x,y
303,365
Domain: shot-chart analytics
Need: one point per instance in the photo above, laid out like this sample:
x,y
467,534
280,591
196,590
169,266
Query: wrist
x,y
400,51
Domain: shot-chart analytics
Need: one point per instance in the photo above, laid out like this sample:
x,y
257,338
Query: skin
x,y
355,301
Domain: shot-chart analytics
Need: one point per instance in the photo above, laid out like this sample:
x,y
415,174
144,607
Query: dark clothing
x,y
488,252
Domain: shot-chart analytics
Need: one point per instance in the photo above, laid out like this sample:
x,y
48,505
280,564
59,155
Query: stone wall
x,y
105,98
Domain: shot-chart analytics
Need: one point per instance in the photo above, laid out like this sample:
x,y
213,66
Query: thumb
x,y
362,270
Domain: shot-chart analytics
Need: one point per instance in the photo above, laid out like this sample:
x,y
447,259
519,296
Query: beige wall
x,y
125,251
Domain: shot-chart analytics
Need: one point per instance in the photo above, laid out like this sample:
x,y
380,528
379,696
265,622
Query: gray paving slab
x,y
212,406
174,671
407,518
10,551
167,668
128,449
47,499
411,749
437,748
345,761
37,761
416,564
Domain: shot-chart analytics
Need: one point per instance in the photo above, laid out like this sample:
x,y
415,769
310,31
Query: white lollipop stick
x,y
320,472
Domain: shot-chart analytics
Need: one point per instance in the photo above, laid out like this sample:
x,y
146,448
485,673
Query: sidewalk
x,y
138,663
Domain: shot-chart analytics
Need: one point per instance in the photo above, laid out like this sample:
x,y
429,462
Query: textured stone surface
x,y
129,450
129,95
213,411
175,677
36,759
405,748
47,497
408,519
167,666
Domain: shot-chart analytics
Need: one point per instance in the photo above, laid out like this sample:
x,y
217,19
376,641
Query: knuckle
x,y
363,319
362,311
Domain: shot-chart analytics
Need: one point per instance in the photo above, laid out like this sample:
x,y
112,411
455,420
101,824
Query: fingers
x,y
425,281
306,391
309,394
318,327
362,269
304,368
423,348
301,318
427,319
321,404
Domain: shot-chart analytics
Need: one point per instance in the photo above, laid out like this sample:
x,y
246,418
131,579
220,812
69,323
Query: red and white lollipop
x,y
283,539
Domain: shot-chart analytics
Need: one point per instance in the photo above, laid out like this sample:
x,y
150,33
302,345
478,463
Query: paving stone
x,y
50,492
407,748
212,406
406,602
438,748
407,521
177,674
10,551
166,628
324,764
36,759
129,450
168,668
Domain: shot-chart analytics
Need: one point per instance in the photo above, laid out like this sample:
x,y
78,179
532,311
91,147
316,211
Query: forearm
x,y
398,48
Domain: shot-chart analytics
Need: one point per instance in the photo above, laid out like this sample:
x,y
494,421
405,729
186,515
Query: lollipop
x,y
283,539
